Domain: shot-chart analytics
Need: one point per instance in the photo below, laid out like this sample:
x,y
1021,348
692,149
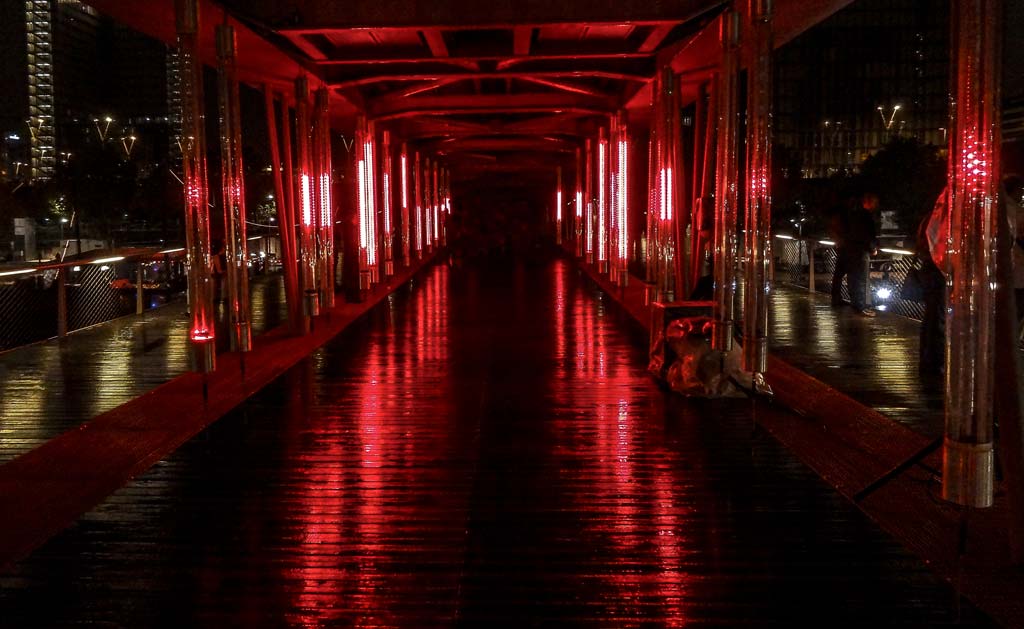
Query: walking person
x,y
857,241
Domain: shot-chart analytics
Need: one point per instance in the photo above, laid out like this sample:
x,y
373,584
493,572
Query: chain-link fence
x,y
43,300
811,264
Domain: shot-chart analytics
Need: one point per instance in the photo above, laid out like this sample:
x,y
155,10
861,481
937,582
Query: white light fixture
x,y
18,272
105,260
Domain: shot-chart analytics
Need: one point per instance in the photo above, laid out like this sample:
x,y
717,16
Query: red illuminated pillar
x,y
588,220
307,220
651,255
325,200
578,232
365,167
446,207
602,201
726,184
428,204
233,190
613,200
386,201
406,228
435,197
418,201
197,213
623,201
973,188
558,205
758,190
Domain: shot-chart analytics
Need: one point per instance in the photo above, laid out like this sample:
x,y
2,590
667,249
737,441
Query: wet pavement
x,y
484,449
53,386
873,360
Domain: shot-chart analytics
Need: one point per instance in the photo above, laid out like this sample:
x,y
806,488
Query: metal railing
x,y
810,264
46,299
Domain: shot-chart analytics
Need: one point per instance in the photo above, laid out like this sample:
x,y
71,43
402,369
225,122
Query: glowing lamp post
x,y
725,183
233,190
757,279
967,462
436,198
197,214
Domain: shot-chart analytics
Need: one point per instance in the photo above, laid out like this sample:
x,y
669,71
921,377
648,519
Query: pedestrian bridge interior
x,y
443,414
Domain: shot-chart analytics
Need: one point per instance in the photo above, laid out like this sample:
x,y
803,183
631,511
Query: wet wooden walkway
x,y
50,387
484,449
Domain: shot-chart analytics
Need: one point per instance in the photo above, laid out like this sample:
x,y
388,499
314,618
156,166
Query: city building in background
x,y
82,78
873,71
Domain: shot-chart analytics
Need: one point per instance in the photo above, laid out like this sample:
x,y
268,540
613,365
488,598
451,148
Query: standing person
x,y
932,348
857,241
218,268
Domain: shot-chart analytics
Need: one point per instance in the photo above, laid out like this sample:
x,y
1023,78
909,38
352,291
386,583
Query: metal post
x,y
588,221
406,231
307,242
386,203
757,287
138,287
602,201
418,200
62,302
197,213
233,180
324,194
285,220
810,263
725,184
967,466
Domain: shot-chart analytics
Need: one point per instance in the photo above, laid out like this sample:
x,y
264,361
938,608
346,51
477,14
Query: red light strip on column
x,y
602,201
307,201
623,203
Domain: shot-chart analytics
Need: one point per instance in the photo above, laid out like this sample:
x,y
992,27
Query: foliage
x,y
908,176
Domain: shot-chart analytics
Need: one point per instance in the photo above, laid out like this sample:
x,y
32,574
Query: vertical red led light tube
x,y
418,201
233,191
370,188
613,200
588,220
756,290
325,202
558,205
197,213
435,197
622,222
973,188
307,220
406,231
726,184
578,206
602,201
386,202
446,207
364,206
428,205
668,172
651,255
